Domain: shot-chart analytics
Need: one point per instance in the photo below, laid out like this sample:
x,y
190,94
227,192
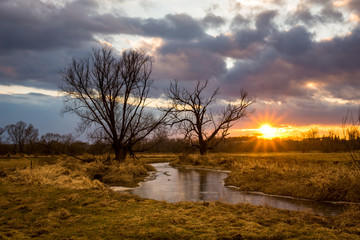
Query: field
x,y
316,176
58,198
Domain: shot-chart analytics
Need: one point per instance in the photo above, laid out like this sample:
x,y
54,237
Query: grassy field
x,y
317,176
55,200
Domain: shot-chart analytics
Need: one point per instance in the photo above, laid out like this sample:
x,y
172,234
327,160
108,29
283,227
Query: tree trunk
x,y
202,148
120,153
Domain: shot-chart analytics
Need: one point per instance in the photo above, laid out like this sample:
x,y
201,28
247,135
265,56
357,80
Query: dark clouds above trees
x,y
274,54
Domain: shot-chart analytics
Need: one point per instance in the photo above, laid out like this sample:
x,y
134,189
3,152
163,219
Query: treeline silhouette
x,y
21,138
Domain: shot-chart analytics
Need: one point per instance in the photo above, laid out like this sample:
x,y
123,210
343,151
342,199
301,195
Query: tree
x,y
54,143
110,94
193,113
22,136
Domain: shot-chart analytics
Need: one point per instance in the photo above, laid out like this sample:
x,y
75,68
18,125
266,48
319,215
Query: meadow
x,y
315,176
61,198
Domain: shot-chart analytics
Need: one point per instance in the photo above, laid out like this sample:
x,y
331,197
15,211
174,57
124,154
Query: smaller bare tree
x,y
194,114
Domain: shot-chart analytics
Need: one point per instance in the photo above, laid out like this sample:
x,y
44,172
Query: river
x,y
180,184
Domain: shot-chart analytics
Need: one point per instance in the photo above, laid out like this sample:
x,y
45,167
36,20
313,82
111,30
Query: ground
x,y
54,200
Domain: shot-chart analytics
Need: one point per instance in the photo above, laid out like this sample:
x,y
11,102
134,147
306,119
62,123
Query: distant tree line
x,y
23,138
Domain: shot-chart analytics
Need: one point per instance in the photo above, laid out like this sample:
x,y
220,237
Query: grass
x,y
316,176
58,199
49,203
158,157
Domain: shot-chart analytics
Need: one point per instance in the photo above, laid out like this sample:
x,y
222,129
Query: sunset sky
x,y
299,59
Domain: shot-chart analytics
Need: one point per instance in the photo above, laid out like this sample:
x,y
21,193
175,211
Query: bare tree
x,y
22,135
193,112
111,94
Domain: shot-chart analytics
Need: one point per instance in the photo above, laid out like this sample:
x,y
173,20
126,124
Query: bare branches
x,y
192,112
110,93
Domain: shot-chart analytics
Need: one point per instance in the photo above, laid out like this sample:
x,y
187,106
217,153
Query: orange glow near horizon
x,y
267,131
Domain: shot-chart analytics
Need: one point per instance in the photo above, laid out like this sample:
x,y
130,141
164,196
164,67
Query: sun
x,y
267,131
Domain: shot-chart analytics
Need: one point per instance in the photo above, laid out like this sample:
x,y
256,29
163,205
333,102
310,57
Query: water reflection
x,y
175,185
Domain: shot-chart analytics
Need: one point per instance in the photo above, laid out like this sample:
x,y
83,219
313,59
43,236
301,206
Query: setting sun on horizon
x,y
267,131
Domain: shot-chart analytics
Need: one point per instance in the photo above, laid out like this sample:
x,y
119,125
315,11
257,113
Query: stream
x,y
181,184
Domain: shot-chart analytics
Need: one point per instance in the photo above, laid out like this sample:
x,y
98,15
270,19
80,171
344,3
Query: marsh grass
x,y
64,169
316,176
48,212
60,201
158,157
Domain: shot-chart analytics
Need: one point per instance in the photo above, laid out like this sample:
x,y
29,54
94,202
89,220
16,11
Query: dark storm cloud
x,y
296,59
213,21
203,59
178,26
36,25
294,42
176,60
239,21
39,39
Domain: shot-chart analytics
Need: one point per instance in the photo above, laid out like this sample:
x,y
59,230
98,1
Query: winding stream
x,y
179,184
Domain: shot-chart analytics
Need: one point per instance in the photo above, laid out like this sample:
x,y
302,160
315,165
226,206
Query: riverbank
x,y
315,176
69,205
32,169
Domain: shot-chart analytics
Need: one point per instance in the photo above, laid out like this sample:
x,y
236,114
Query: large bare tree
x,y
110,95
195,114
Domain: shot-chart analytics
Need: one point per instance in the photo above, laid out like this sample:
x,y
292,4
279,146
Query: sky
x,y
300,59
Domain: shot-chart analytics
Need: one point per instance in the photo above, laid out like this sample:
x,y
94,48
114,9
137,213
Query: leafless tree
x,y
194,114
111,94
22,135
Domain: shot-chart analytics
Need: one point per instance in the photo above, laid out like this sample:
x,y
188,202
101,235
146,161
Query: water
x,y
178,184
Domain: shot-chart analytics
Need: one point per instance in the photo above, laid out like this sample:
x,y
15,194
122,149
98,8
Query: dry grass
x,y
47,212
317,176
61,201
67,170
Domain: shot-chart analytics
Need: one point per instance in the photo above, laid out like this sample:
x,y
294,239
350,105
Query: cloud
x,y
294,42
172,26
48,26
305,15
212,21
291,58
239,21
175,60
355,5
273,59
